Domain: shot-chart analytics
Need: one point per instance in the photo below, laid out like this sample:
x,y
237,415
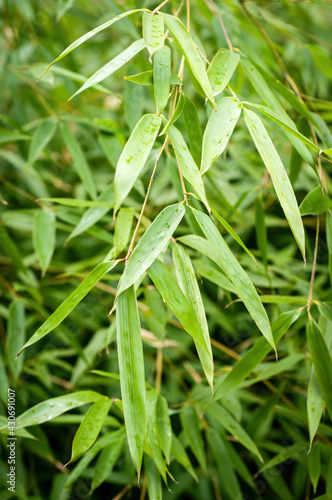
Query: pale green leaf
x,y
315,405
221,69
44,237
153,32
122,229
15,337
152,446
161,77
316,202
164,428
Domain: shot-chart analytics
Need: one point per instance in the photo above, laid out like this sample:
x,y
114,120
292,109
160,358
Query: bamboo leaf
x,y
181,456
288,452
122,229
90,427
221,69
261,233
177,302
134,156
161,77
219,130
191,426
79,162
105,463
153,479
322,362
187,165
152,441
188,284
94,213
177,112
151,244
112,66
314,465
164,428
15,337
146,78
88,35
51,408
315,405
153,32
237,275
44,237
234,428
193,129
41,138
188,49
70,303
246,365
278,175
316,202
131,368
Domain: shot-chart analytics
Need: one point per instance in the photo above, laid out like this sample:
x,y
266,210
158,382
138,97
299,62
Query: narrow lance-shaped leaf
x,y
191,426
106,462
261,233
112,66
161,77
134,156
193,129
51,408
153,32
164,427
278,175
131,368
152,446
322,362
90,427
316,202
15,336
44,237
41,138
122,229
79,162
237,275
188,49
219,130
233,427
153,479
88,35
314,465
71,302
315,405
151,244
329,240
181,456
221,69
186,277
94,214
187,165
177,302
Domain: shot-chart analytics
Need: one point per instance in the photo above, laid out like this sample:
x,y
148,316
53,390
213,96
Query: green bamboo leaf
x,y
90,427
134,156
188,284
112,66
221,69
74,202
322,362
237,275
234,428
152,446
316,202
44,237
231,231
51,408
329,240
315,405
94,213
219,130
288,452
153,479
88,35
131,368
314,465
105,463
151,244
224,465
192,430
179,453
177,112
15,336
193,129
177,302
278,175
79,162
153,32
70,303
264,90
41,138
206,270
122,229
146,78
161,77
164,428
188,49
187,165
246,365
286,126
